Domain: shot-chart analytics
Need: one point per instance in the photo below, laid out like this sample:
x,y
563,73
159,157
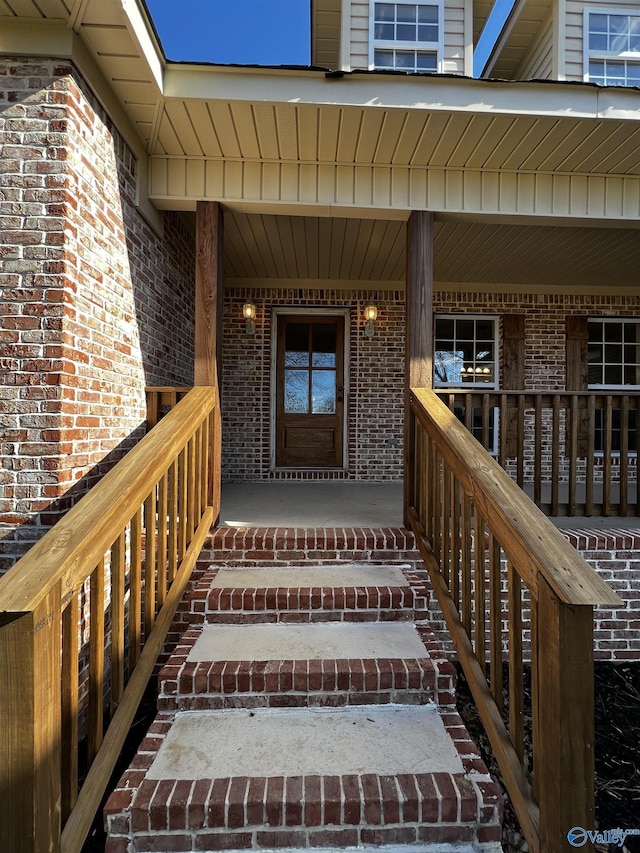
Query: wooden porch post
x,y
418,371
208,326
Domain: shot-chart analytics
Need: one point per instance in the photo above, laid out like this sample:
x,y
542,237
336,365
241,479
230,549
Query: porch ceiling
x,y
263,249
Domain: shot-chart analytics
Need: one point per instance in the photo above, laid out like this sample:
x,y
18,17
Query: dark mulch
x,y
617,753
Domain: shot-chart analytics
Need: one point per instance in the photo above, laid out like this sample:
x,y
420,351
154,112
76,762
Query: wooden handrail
x,y
529,538
482,539
162,487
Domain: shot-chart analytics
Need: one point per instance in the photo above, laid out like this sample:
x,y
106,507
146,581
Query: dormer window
x,y
406,36
612,48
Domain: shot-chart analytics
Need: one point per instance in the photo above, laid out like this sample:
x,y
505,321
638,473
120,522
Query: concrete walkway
x,y
344,504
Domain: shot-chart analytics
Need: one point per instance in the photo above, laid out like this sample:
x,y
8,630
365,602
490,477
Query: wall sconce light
x,y
249,314
370,315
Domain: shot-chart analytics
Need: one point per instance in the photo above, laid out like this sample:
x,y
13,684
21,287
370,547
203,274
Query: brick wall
x,y
376,369
94,305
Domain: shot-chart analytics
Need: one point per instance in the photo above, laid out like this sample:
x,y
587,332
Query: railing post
x,y
30,720
564,768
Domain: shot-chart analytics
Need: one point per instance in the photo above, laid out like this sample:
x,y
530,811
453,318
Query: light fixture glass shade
x,y
371,313
249,311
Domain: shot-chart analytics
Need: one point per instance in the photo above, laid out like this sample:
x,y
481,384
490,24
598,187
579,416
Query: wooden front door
x,y
310,392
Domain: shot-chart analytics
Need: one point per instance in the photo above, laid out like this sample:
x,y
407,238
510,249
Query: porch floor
x,y
345,504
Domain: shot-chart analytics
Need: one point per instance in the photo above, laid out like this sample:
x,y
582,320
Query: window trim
x,y
610,386
587,54
423,47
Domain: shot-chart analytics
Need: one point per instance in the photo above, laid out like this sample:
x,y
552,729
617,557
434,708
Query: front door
x,y
310,392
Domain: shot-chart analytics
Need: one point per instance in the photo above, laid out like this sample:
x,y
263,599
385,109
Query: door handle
x,y
340,390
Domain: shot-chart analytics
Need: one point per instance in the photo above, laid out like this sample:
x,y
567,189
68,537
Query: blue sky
x,y
265,32
260,32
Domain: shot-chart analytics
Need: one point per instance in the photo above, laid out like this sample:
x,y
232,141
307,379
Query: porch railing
x,y
109,577
510,587
575,454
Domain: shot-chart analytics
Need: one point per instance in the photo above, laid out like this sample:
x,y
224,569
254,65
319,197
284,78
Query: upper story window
x,y
407,36
612,48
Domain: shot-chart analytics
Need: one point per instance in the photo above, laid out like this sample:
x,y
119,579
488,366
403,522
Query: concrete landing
x,y
307,642
385,740
319,576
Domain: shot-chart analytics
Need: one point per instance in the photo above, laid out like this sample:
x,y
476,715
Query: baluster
x,y
606,474
191,488
96,659
624,456
537,453
182,504
150,508
486,418
516,684
445,562
591,450
70,705
173,520
520,442
466,563
162,540
135,589
573,452
479,618
503,430
117,620
495,620
457,543
555,454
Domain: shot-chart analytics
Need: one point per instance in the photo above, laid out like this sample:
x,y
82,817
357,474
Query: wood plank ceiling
x,y
281,248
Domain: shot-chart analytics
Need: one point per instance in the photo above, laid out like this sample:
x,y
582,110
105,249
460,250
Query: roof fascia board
x,y
143,36
434,94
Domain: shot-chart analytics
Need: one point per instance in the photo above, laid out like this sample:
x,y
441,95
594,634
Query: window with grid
x,y
465,356
406,36
614,364
612,48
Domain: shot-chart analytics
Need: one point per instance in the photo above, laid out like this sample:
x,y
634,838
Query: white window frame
x,y
475,386
610,386
588,55
436,47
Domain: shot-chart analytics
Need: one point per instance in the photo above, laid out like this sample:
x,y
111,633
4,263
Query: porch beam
x,y
418,371
208,325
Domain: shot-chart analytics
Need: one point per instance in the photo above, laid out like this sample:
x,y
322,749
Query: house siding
x,y
454,38
93,304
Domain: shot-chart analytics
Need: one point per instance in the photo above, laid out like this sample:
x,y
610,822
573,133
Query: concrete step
x,y
341,593
319,664
301,778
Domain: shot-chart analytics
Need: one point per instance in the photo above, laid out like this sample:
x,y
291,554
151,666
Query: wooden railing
x,y
114,568
573,453
510,587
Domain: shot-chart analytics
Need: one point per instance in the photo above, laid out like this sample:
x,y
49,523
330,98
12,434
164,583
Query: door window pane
x,y
296,345
324,345
323,385
296,392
